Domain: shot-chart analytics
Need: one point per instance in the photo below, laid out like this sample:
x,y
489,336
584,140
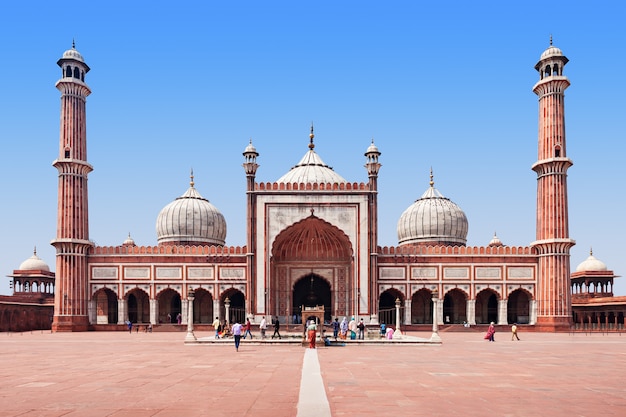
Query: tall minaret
x,y
250,166
72,240
553,243
373,167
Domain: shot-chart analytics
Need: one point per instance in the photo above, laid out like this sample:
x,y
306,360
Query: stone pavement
x,y
140,374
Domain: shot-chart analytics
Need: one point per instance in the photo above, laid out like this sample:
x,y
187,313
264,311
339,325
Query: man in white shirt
x,y
263,327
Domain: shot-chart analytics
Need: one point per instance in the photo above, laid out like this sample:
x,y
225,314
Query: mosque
x,y
312,240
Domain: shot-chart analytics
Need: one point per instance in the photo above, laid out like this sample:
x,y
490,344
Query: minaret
x,y
373,166
72,240
250,166
553,243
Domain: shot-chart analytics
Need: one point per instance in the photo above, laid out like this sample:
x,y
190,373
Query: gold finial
x,y
311,145
191,183
550,39
432,183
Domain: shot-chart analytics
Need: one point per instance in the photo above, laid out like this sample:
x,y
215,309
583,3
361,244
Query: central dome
x,y
311,170
433,220
191,220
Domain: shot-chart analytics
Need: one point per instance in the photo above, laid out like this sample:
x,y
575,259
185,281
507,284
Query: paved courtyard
x,y
140,374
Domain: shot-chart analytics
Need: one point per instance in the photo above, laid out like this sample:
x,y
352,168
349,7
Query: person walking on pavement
x,y
276,328
216,325
248,328
236,329
514,332
263,327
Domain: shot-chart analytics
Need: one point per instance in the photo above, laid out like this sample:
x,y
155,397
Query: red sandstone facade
x,y
313,240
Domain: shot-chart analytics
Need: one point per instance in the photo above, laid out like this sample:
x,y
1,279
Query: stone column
x,y
533,312
227,310
183,312
122,314
397,334
154,311
435,336
407,311
471,312
439,312
92,312
502,312
190,297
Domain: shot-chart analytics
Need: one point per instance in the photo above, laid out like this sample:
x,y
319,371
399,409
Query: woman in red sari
x,y
491,331
311,333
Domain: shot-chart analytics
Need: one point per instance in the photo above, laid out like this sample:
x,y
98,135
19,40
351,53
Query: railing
x,y
388,316
237,315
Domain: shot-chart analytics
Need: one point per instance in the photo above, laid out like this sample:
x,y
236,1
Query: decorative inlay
x,y
104,273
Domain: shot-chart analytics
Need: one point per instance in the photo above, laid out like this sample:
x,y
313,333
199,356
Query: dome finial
x,y
590,251
191,183
432,182
550,39
311,145
35,250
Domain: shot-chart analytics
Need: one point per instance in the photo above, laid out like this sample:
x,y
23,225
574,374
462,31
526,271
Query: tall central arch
x,y
312,260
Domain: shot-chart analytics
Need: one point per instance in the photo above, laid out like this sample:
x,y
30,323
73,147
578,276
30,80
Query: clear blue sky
x,y
181,85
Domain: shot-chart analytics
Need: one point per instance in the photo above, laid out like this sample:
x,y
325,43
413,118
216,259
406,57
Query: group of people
x,y
491,331
340,330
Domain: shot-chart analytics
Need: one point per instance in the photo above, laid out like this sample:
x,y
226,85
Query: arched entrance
x,y
311,291
455,307
138,306
311,263
169,306
237,306
422,307
486,307
518,307
387,307
106,306
202,306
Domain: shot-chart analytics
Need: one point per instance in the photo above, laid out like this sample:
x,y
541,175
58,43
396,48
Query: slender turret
x,y
72,240
553,243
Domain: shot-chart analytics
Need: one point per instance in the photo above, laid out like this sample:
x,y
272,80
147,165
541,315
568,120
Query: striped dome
x,y
433,220
191,220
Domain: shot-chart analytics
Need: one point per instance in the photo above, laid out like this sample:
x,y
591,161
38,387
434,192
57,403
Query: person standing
x,y
336,328
312,333
130,326
361,327
263,327
216,325
514,332
236,329
353,329
491,331
276,328
248,328
343,328
179,318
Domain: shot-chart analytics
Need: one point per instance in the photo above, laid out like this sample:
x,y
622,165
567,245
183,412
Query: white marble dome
x,y
551,51
433,219
191,220
311,170
34,263
73,54
591,264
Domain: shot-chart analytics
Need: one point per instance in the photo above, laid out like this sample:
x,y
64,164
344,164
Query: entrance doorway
x,y
310,291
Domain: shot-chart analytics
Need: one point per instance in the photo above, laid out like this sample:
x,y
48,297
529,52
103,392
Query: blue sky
x,y
446,85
